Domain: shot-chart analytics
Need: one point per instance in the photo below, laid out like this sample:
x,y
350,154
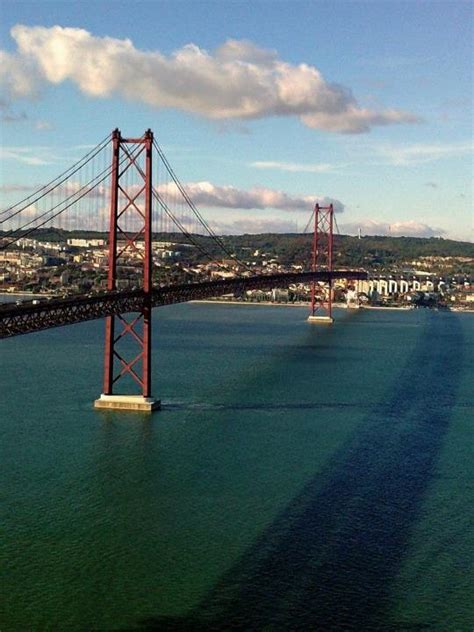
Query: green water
x,y
298,477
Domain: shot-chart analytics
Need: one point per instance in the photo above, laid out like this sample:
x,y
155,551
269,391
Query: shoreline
x,y
259,303
402,308
305,305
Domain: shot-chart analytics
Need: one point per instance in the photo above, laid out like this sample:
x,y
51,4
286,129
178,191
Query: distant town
x,y
401,272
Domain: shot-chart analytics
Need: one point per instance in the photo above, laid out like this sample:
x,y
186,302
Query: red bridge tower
x,y
128,339
321,293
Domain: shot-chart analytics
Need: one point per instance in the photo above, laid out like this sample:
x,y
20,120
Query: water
x,y
298,477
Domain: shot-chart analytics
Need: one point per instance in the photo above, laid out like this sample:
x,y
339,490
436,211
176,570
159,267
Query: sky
x,y
261,107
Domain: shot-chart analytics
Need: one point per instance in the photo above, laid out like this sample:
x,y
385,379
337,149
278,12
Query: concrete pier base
x,y
321,320
127,402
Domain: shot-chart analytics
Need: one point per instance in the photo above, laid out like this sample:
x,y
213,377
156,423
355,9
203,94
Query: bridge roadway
x,y
56,312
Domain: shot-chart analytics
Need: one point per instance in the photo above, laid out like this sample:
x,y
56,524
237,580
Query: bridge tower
x,y
322,259
128,337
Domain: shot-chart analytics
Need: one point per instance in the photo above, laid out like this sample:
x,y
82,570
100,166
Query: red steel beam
x,y
112,273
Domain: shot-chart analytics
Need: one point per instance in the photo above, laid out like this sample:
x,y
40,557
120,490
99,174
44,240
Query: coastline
x,y
402,308
272,304
259,303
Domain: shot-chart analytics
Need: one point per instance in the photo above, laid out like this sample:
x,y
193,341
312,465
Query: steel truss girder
x,y
23,319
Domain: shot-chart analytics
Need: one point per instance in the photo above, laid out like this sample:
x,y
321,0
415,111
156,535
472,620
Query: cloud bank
x,y
238,80
209,195
410,228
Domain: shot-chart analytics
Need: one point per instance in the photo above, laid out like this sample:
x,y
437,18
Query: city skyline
x,y
261,109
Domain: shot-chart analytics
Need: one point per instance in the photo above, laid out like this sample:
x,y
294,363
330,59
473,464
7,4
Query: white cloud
x,y
30,212
209,195
206,196
203,194
293,167
18,77
409,228
354,120
26,218
71,187
422,153
16,188
239,80
32,156
40,155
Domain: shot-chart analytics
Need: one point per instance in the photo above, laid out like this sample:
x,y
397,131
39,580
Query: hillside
x,y
374,253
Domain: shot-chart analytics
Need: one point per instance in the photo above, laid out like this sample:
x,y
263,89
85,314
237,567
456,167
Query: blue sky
x,y
366,103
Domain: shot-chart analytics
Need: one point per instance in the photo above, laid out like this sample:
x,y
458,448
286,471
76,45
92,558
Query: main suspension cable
x,y
74,195
182,229
194,209
59,180
309,221
176,221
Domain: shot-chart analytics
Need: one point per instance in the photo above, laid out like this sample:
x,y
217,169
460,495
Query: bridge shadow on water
x,y
248,406
330,559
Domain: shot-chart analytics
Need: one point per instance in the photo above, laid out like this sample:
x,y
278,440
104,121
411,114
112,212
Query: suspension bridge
x,y
133,196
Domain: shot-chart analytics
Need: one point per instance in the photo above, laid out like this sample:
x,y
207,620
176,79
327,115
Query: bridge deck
x,y
56,312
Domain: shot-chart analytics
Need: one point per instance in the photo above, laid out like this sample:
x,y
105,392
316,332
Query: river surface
x,y
298,477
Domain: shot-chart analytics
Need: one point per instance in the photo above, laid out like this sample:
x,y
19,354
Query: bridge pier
x,y
128,402
321,320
